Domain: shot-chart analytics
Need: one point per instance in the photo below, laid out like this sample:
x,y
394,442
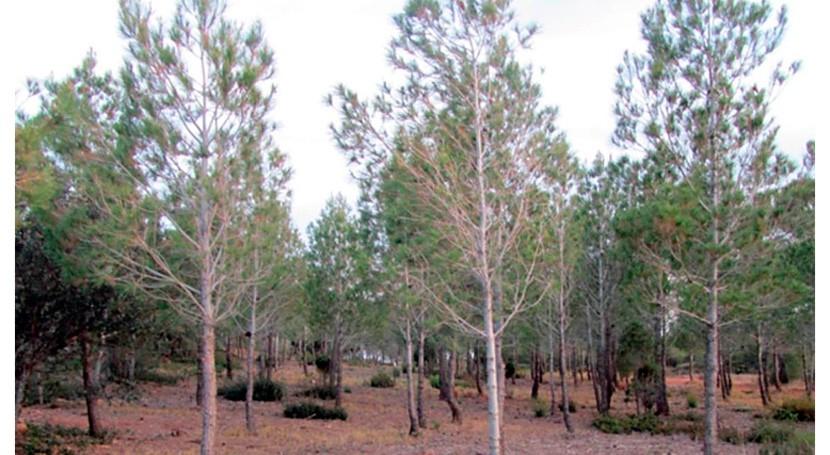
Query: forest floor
x,y
164,419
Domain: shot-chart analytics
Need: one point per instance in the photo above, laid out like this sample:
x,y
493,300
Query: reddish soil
x,y
166,420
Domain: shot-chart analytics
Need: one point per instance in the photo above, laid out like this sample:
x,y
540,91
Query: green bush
x,y
264,390
802,443
731,435
571,407
382,380
55,439
510,370
320,392
801,410
612,425
645,423
323,363
308,410
53,389
691,400
347,390
396,373
157,377
767,432
540,408
435,381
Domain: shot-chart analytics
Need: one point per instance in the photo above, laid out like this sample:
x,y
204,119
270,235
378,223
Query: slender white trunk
x,y
249,367
410,384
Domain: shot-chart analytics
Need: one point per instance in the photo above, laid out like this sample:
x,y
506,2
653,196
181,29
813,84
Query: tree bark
x,y
422,418
776,369
410,383
90,386
250,424
447,375
338,370
662,393
208,356
551,369
760,360
228,359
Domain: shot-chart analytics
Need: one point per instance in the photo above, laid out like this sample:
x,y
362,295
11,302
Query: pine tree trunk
x,y
22,373
662,393
250,424
90,386
422,418
709,380
776,369
492,360
760,360
534,372
228,359
551,369
477,352
208,359
410,383
338,370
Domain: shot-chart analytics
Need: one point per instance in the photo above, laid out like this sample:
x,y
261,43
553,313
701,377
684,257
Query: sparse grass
x,y
765,432
56,439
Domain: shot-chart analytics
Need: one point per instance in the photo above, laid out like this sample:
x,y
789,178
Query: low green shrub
x,y
612,425
571,407
801,410
323,363
396,373
764,432
802,443
435,381
53,389
540,408
158,377
56,439
382,380
320,392
731,435
264,390
308,410
691,400
509,370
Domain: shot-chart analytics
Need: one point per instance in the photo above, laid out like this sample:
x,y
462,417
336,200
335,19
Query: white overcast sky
x,y
319,43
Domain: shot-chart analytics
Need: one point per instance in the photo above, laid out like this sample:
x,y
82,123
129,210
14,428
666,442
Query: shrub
x,y
731,435
396,373
53,389
382,380
320,392
612,425
308,410
540,408
347,390
571,407
510,370
691,400
645,423
766,432
264,390
56,439
802,443
435,381
323,363
157,377
801,410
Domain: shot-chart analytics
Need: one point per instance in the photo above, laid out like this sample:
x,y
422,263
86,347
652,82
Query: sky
x,y
320,43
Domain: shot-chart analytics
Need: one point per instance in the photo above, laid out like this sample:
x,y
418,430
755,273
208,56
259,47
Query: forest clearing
x,y
487,287
164,420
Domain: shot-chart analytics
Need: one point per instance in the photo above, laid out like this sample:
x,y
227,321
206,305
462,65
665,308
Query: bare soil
x,y
166,420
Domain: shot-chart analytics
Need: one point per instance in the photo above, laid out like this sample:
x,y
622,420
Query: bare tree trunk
x,y
228,358
410,383
22,374
446,369
493,414
551,369
338,369
534,373
805,372
250,424
90,387
208,356
662,403
691,367
302,344
422,418
776,369
477,352
760,360
563,360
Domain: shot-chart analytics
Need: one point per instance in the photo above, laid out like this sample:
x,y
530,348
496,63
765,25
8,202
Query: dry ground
x,y
166,420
